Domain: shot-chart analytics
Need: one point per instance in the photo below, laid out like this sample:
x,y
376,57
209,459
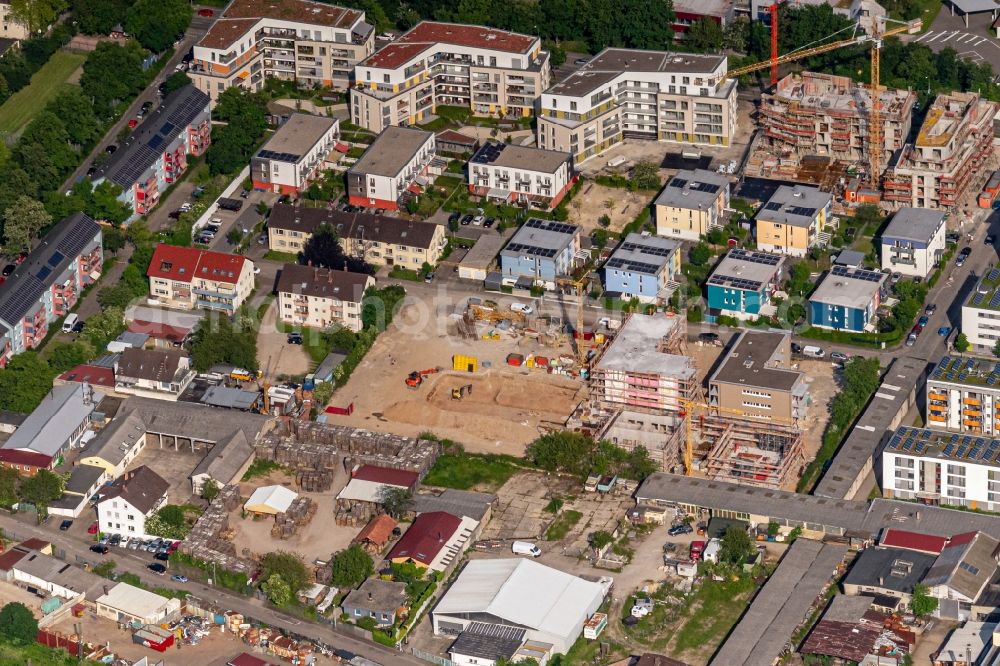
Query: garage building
x,y
127,603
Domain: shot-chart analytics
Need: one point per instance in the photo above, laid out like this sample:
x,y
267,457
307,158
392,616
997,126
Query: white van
x,y
70,322
712,550
521,307
814,351
525,548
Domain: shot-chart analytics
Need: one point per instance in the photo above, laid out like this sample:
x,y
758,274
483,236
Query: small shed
x,y
324,372
270,500
376,534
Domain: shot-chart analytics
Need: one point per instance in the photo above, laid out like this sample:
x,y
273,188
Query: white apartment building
x,y
294,155
963,394
914,241
521,175
296,40
396,163
129,501
11,28
632,94
188,278
488,71
942,467
981,313
320,298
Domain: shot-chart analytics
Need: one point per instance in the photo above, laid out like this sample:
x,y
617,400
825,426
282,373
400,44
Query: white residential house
x,y
294,155
319,297
521,175
914,241
129,501
396,163
153,373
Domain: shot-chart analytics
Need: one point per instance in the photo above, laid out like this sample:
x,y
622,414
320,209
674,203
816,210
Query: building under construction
x,y
826,115
751,453
953,152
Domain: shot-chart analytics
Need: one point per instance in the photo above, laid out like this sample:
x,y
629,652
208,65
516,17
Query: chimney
x,y
881,580
369,596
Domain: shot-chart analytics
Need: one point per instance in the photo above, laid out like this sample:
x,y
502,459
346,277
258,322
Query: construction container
x,y
541,361
515,359
464,363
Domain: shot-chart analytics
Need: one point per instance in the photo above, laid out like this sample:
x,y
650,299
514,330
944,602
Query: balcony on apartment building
x,y
215,303
180,294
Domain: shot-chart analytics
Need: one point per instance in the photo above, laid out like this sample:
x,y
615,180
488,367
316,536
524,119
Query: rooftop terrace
x,y
986,294
974,371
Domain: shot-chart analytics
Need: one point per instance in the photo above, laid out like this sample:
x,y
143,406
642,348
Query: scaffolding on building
x,y
750,452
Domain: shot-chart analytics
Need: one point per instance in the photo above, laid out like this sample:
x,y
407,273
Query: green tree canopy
x,y
157,23
24,382
18,624
175,81
41,489
736,546
288,566
962,343
395,500
323,249
277,590
703,36
219,340
99,17
23,222
111,73
351,567
921,602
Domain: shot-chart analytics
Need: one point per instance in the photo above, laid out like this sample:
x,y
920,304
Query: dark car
x,y
161,556
157,568
677,530
295,338
65,525
91,171
708,337
175,214
146,106
489,222
467,220
8,269
78,326
110,150
115,540
99,548
930,309
796,348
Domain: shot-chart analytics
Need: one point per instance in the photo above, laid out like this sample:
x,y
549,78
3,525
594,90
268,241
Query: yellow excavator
x,y
461,391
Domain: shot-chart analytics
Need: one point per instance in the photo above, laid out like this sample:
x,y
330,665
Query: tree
x,y
996,349
9,479
868,215
63,356
704,35
736,36
24,382
37,15
18,624
210,490
219,340
600,539
562,451
323,249
351,567
22,222
99,17
111,73
277,590
736,546
171,514
962,343
700,254
157,23
175,81
77,115
646,176
921,602
288,566
395,500
104,327
41,489
600,238
604,221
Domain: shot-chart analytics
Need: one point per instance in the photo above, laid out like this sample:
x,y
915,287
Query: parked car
x,y
489,222
99,548
115,539
796,347
895,277
521,307
923,321
78,326
177,578
677,530
944,331
8,269
65,525
92,529
580,62
911,339
110,150
91,171
429,278
295,338
839,357
930,309
157,568
161,555
962,256
206,12
466,221
708,337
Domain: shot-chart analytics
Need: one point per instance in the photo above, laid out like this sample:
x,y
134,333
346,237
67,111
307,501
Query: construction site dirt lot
x,y
520,514
507,409
274,354
315,541
10,593
591,202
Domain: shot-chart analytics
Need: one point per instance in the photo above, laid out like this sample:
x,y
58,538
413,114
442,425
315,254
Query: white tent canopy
x,y
270,499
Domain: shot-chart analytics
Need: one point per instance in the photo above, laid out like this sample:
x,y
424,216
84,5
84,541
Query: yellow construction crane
x,y
876,34
689,407
579,285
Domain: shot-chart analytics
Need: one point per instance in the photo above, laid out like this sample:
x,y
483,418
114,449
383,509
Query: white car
x,y
521,307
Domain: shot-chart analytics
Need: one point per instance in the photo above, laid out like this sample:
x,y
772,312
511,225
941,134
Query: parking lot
x,y
974,42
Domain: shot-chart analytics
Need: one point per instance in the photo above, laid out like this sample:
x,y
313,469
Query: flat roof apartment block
x,y
643,267
390,168
691,204
742,284
963,394
541,250
949,155
792,219
981,312
48,283
484,70
293,156
155,155
847,299
312,43
914,241
821,114
524,175
756,377
630,93
942,467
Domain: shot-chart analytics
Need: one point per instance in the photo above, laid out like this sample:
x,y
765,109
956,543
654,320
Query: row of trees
x,y
579,455
234,143
154,23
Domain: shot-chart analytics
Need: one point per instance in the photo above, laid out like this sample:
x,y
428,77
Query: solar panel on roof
x,y
772,205
678,182
995,300
55,259
43,272
802,211
167,128
993,275
978,298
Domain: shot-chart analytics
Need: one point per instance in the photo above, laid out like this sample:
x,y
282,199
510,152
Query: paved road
x,y
975,42
77,551
199,26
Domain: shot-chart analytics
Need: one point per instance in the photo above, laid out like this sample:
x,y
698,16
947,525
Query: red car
x,y
132,123
207,13
92,529
697,548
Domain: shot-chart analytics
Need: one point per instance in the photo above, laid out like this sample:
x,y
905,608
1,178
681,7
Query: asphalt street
x,y
976,42
79,552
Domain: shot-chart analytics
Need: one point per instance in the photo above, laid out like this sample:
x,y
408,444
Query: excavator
x,y
416,378
461,391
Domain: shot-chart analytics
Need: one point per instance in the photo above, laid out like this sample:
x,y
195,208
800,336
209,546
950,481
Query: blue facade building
x,y
541,251
847,299
641,267
742,284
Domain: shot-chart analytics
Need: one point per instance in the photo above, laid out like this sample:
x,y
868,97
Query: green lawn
x,y
464,471
18,111
561,526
